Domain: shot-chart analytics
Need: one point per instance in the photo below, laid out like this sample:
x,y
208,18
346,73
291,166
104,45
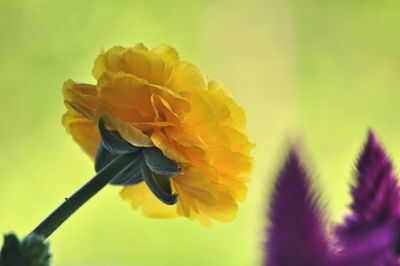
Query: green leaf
x,y
113,141
11,252
35,251
32,251
159,163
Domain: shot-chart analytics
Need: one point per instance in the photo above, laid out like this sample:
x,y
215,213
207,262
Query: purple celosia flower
x,y
296,233
368,236
376,198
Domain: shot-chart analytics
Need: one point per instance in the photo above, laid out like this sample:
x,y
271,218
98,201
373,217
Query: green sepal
x,y
159,163
113,141
137,170
130,175
147,164
159,185
103,157
31,251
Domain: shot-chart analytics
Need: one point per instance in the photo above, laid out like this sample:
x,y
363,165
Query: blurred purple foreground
x,y
369,236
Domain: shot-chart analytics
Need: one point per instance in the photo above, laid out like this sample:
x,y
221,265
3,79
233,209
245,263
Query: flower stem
x,y
80,197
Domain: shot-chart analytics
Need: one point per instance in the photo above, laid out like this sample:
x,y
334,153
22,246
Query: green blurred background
x,y
322,70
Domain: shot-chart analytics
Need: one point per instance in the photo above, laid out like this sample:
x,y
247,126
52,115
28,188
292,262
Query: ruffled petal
x,y
83,131
236,186
233,163
187,77
109,61
81,97
200,196
224,210
237,115
129,132
167,52
140,196
167,146
238,141
154,68
126,91
202,120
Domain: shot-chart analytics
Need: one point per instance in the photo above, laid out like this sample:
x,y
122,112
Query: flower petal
x,y
82,97
237,115
83,131
238,141
109,61
168,147
202,120
224,210
140,196
233,163
155,68
149,66
127,131
126,91
196,185
236,186
166,51
187,77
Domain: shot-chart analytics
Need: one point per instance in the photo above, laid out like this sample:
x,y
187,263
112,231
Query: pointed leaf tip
x,y
296,234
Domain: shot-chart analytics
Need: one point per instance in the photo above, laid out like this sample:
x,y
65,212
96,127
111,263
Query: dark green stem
x,y
80,197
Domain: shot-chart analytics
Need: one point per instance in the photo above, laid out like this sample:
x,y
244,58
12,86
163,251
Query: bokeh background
x,y
319,71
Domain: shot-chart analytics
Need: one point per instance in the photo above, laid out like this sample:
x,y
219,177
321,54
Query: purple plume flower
x,y
369,236
376,198
296,234
370,248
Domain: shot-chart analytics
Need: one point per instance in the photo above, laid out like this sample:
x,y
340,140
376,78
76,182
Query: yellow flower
x,y
152,98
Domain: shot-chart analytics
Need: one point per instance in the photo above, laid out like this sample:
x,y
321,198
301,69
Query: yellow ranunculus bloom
x,y
151,97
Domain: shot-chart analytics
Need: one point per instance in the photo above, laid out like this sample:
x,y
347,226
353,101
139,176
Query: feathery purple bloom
x,y
372,248
296,235
376,197
369,236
